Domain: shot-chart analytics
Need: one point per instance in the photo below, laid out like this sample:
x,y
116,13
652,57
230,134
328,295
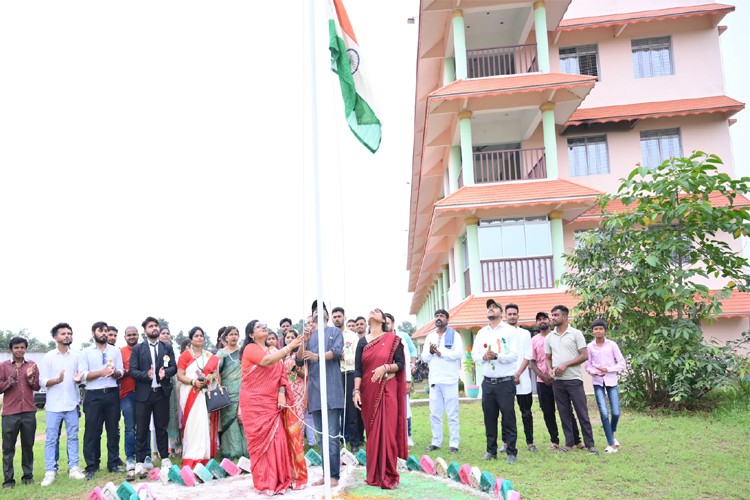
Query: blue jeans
x,y
610,426
334,429
52,442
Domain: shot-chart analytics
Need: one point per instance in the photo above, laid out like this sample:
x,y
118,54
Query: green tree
x,y
34,343
407,328
644,271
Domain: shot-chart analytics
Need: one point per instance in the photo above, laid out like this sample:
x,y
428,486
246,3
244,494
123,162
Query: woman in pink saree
x,y
274,438
380,393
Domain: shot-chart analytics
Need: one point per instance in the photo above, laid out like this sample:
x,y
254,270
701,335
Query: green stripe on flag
x,y
360,116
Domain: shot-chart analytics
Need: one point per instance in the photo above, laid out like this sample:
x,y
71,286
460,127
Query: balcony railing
x,y
509,165
497,61
525,273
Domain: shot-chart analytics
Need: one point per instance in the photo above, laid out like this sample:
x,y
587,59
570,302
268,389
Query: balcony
x,y
509,165
527,273
499,61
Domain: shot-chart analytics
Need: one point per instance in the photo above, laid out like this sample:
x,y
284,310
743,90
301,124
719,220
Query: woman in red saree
x,y
380,393
274,437
197,369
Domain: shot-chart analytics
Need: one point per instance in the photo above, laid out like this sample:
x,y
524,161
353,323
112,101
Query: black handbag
x,y
217,398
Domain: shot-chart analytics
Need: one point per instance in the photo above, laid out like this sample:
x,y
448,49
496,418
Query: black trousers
x,y
499,399
524,404
157,405
101,409
569,394
351,416
547,404
25,423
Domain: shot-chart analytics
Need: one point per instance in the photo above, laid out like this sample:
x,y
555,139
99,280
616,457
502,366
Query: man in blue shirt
x,y
334,346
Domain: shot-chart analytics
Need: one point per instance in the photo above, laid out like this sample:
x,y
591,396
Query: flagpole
x,y
312,87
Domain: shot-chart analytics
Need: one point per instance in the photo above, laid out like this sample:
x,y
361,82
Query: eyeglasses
x,y
261,325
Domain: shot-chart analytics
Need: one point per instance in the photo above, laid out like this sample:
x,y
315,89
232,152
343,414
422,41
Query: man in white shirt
x,y
443,350
351,413
60,373
524,397
497,348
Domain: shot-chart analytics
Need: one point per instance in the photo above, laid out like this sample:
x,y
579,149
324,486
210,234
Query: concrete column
x,y
467,156
459,44
459,271
439,286
454,168
558,245
447,283
542,42
449,70
472,240
550,139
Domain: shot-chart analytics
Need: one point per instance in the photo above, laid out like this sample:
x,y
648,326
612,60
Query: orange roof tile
x,y
523,193
660,109
737,305
617,206
644,16
472,312
511,84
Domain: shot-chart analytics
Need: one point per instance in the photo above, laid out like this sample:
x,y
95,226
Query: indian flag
x,y
346,60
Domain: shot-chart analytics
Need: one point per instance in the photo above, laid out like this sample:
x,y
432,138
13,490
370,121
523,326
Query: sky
x,y
153,163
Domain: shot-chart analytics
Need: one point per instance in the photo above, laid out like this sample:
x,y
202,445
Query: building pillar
x,y
449,70
467,152
459,271
542,42
550,139
558,245
454,168
447,283
472,240
467,338
459,44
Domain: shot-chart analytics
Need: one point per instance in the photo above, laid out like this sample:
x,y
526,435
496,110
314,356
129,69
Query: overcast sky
x,y
152,163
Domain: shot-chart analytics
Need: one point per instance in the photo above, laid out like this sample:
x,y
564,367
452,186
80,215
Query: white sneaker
x,y
609,449
49,478
147,463
617,444
166,463
411,442
75,473
139,469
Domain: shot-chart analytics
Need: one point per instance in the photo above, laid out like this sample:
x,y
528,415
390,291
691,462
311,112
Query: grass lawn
x,y
662,456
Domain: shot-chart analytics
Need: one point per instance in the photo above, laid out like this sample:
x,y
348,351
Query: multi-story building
x,y
525,112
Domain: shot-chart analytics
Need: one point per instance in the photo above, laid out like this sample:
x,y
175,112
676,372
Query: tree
x,y
178,340
34,343
644,271
407,328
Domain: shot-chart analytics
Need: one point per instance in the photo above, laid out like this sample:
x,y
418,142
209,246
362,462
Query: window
x,y
588,155
580,60
660,145
652,57
514,238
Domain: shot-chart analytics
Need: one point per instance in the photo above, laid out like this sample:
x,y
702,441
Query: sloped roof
x,y
617,206
538,192
511,84
659,109
610,20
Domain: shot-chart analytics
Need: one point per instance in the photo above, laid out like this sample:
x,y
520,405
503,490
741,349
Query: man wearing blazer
x,y
152,364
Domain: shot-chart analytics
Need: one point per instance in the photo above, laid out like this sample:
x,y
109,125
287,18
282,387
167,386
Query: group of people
x,y
505,355
273,386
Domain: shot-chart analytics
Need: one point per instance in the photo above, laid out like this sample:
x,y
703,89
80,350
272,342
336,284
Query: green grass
x,y
663,456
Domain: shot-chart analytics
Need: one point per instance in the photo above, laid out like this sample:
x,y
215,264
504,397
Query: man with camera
x,y
443,350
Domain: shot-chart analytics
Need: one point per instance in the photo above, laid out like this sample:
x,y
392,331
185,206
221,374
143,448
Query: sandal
x,y
561,450
593,451
554,446
581,446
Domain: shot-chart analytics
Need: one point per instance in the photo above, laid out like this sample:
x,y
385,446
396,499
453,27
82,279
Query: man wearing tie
x,y
152,365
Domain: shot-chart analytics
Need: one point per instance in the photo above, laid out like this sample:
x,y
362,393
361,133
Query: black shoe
x,y
117,470
27,480
90,475
453,449
9,485
432,447
119,463
489,456
512,459
355,449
